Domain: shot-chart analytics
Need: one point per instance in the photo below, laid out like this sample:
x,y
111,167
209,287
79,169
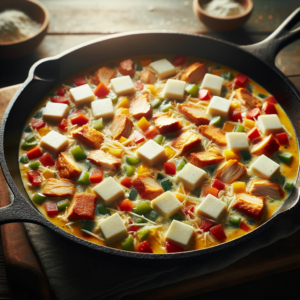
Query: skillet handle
x,y
267,49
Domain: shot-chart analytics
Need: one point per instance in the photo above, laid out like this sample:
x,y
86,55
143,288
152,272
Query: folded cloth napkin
x,y
74,273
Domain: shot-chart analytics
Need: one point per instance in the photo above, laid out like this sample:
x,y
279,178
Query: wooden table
x,y
74,22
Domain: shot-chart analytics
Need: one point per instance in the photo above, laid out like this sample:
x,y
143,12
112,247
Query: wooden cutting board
x,y
23,266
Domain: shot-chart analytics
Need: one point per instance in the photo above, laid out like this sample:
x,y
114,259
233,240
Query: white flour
x,y
15,25
223,8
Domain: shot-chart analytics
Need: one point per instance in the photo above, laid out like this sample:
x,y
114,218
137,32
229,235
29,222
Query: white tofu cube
x,y
218,106
166,204
151,153
180,234
269,124
211,208
212,83
237,141
82,95
113,228
265,167
123,85
191,176
163,68
55,112
102,108
174,89
54,142
109,190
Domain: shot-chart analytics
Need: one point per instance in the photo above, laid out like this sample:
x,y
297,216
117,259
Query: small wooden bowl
x,y
35,11
222,23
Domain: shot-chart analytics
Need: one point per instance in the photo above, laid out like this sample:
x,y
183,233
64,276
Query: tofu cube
x,y
163,68
151,153
55,112
109,191
102,109
166,204
82,95
180,234
191,176
123,85
265,167
54,142
174,89
269,124
218,106
113,228
211,208
237,141
212,83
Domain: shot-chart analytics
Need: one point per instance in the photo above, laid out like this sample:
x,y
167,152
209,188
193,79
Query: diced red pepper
x,y
79,80
60,99
212,191
282,138
126,205
170,168
151,132
79,120
253,114
51,209
271,99
218,233
47,160
34,177
134,228
171,248
206,225
236,116
101,90
244,226
34,153
189,210
61,91
253,134
204,95
138,85
144,247
37,123
63,125
138,137
126,181
178,60
126,67
240,80
96,176
269,108
217,184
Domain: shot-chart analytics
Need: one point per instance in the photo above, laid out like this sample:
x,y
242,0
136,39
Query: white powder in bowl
x,y
223,8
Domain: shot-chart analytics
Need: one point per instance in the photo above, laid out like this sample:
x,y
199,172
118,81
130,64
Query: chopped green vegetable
x,y
129,170
155,103
227,76
180,163
24,159
217,121
88,225
112,96
245,154
211,169
142,208
285,157
137,220
280,179
196,192
224,91
166,184
239,128
84,178
160,176
34,165
192,89
143,234
27,129
39,198
103,210
178,216
128,243
138,66
39,114
235,221
28,145
133,193
98,124
132,160
249,87
78,153
288,186
262,96
152,215
167,107
63,204
30,138
158,139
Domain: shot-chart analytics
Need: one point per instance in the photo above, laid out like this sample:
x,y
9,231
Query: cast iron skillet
x,y
256,61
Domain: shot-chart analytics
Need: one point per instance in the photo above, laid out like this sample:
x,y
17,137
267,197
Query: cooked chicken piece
x,y
147,187
213,133
126,67
194,114
165,124
231,171
104,74
264,188
251,206
148,77
246,98
66,166
59,188
194,73
82,207
141,107
104,160
186,141
268,146
121,126
88,136
203,159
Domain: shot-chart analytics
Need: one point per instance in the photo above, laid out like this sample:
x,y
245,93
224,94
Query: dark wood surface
x,y
74,22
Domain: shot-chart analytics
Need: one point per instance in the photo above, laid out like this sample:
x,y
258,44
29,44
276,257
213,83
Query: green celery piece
x,y
34,165
133,193
217,121
167,107
78,153
245,154
192,89
88,225
30,138
180,163
84,178
130,160
288,186
138,66
39,198
103,210
196,192
98,124
152,215
166,184
158,139
27,129
285,157
159,176
142,208
28,145
128,243
155,103
235,221
143,234
280,179
262,96
177,216
249,87
129,170
137,220
39,114
63,204
239,128
112,96
227,76
24,159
